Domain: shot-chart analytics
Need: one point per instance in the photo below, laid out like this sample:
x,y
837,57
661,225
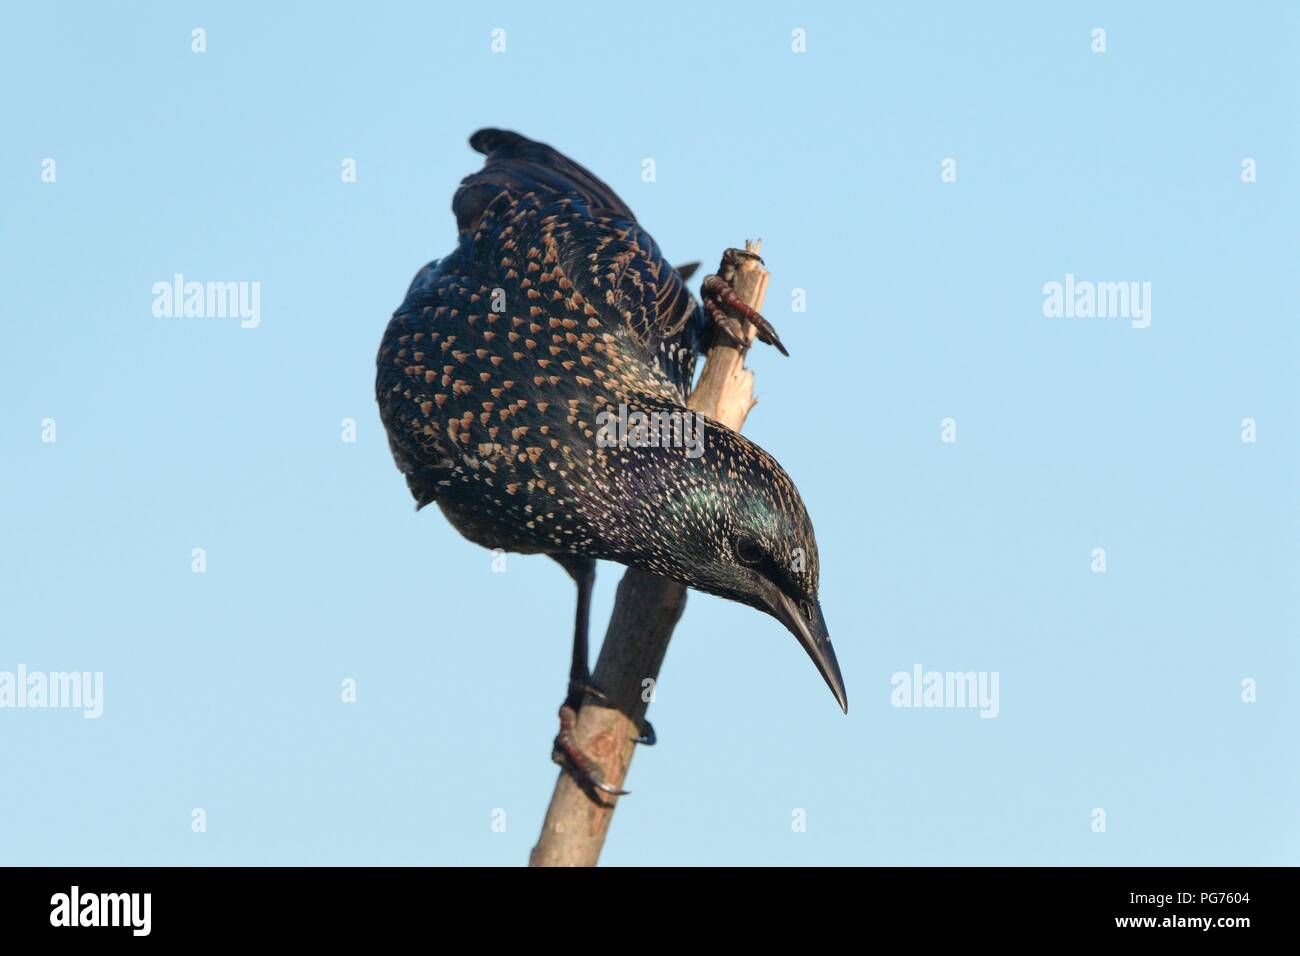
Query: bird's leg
x,y
727,313
566,751
580,683
583,571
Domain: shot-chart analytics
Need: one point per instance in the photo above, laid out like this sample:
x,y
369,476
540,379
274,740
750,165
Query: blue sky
x,y
1119,691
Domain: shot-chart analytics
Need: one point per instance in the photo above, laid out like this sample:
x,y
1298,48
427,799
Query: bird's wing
x,y
518,165
594,237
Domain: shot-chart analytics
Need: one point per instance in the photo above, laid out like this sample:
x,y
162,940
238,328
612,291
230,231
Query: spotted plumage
x,y
557,306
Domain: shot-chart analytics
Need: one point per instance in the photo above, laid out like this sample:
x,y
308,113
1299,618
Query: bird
x,y
556,311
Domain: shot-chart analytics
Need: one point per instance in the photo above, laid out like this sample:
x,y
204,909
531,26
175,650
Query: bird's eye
x,y
748,551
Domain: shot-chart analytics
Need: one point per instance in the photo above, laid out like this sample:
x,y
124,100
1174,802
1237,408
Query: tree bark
x,y
646,610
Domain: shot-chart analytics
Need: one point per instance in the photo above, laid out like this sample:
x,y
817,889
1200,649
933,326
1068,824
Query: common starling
x,y
501,374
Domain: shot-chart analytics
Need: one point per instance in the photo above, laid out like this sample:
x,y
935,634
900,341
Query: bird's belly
x,y
477,524
481,526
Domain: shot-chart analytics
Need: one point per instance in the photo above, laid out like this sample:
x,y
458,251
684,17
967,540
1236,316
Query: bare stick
x,y
646,610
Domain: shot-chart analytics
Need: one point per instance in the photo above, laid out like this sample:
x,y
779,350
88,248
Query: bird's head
x,y
730,522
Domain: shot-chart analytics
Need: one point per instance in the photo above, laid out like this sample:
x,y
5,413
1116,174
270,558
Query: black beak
x,y
804,620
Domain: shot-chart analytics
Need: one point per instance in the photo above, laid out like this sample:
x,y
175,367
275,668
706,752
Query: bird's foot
x,y
573,758
728,314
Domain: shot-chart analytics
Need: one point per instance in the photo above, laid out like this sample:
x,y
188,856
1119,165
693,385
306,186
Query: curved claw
x,y
722,303
583,769
603,787
746,254
647,738
768,334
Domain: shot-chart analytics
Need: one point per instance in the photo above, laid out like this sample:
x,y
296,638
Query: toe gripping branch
x,y
566,752
727,313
